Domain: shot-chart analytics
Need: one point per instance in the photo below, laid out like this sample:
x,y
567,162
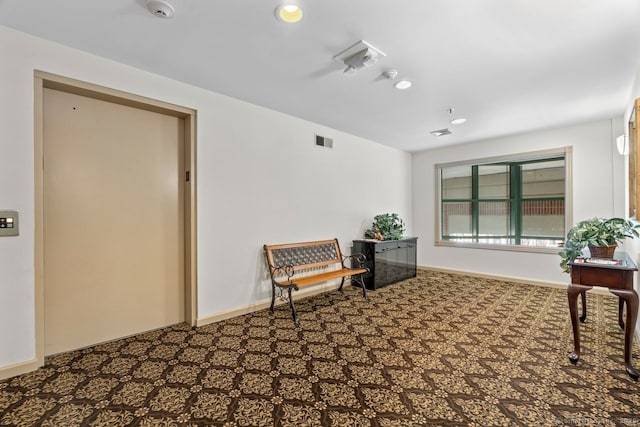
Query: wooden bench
x,y
288,260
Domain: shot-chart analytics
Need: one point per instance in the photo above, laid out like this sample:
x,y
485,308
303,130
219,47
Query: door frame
x,y
47,80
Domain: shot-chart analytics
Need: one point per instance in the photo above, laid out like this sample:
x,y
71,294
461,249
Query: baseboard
x,y
265,303
545,284
19,368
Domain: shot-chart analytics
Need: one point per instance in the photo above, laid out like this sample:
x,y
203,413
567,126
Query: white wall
x,y
596,165
260,177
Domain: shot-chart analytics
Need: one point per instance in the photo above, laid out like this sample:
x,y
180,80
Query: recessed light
x,y
440,132
458,121
403,84
289,13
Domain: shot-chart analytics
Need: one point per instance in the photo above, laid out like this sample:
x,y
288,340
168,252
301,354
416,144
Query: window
x,y
514,201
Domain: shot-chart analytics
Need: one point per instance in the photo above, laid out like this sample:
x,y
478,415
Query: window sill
x,y
495,247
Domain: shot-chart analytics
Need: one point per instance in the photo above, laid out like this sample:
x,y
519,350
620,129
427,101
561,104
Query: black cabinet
x,y
389,261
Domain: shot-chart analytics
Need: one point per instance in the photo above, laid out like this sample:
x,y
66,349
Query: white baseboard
x,y
19,368
556,285
546,284
265,303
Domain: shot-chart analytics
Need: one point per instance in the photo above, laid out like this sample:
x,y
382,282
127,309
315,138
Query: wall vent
x,y
323,141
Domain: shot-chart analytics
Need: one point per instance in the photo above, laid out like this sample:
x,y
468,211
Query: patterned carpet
x,y
436,350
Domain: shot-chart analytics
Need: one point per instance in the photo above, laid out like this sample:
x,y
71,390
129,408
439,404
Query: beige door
x,y
113,221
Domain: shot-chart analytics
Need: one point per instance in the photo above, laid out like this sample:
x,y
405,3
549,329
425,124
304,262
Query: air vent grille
x,y
323,141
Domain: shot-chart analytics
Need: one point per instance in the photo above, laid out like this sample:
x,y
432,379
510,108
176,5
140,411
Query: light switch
x,y
8,223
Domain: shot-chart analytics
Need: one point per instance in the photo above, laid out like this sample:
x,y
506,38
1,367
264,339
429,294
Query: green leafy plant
x,y
385,227
595,232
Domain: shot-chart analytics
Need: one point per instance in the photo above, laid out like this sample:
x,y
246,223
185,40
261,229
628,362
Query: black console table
x,y
388,261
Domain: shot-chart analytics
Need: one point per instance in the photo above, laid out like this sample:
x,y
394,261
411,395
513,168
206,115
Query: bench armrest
x,y
357,260
284,269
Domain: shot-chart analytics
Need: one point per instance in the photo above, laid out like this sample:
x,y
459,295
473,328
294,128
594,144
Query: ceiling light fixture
x,y
457,121
403,84
161,8
440,132
622,143
364,58
359,55
289,13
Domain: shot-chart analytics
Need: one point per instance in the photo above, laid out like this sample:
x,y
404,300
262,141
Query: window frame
x,y
528,157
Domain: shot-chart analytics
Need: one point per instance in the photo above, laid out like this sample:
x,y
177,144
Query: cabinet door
x,y
384,260
397,263
403,260
412,253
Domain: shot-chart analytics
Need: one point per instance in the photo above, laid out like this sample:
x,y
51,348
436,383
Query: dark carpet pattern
x,y
440,349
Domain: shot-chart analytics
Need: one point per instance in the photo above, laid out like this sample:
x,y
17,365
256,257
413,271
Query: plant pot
x,y
605,252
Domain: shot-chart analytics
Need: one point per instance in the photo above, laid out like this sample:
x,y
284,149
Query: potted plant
x,y
385,227
600,235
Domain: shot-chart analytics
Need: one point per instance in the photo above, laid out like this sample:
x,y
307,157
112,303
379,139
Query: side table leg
x,y
620,307
572,296
583,318
630,297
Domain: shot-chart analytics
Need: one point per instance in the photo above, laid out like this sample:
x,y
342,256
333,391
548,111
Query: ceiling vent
x,y
359,55
323,141
441,132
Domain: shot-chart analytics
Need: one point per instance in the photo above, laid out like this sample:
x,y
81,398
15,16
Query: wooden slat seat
x,y
323,277
286,261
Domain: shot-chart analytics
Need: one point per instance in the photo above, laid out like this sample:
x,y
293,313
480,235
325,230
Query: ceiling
x,y
508,66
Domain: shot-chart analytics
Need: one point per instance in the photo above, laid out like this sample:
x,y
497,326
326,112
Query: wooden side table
x,y
619,280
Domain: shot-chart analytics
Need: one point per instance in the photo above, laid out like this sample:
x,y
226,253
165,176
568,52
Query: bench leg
x,y
357,280
361,282
273,297
293,307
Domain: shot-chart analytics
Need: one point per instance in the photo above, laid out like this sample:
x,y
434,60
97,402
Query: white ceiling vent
x,y
323,141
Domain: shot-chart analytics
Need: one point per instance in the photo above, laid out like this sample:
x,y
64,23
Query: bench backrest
x,y
304,255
